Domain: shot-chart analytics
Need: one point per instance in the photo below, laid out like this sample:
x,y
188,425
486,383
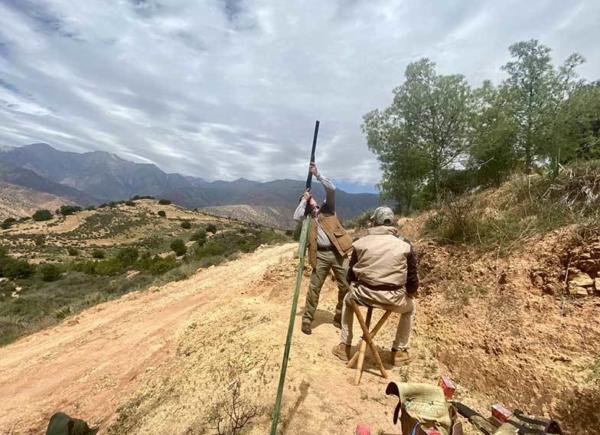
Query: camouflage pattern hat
x,y
383,216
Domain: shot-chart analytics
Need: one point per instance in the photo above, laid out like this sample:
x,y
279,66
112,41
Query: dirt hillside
x,y
166,361
17,201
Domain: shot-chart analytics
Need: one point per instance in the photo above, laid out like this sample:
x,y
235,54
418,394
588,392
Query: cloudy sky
x,y
223,89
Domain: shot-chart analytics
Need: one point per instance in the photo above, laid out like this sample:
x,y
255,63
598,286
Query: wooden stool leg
x,y
370,343
362,349
374,332
363,344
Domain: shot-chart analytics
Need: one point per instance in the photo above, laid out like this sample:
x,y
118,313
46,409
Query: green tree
x,y
42,215
178,246
7,223
67,210
492,154
186,225
199,236
536,90
578,124
423,132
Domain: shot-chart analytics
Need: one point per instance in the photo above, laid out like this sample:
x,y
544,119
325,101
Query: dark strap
x,y
325,248
380,287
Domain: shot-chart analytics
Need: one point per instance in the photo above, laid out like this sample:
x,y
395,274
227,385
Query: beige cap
x,y
383,216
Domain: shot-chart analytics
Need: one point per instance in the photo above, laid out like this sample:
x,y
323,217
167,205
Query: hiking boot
x,y
306,328
399,356
342,351
337,322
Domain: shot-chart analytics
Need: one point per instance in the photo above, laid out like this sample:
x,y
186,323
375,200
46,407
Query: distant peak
x,y
105,154
39,145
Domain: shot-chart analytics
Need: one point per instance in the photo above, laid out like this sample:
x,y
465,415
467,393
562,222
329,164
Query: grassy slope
x,y
86,281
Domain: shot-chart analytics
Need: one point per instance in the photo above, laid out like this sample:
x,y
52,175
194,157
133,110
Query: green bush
x,y
72,251
7,223
13,268
50,272
211,228
130,203
67,210
98,254
213,247
186,225
163,201
157,265
42,215
127,256
178,246
40,240
359,221
199,236
162,213
212,260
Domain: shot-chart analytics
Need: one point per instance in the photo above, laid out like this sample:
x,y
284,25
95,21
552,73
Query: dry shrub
x,y
232,412
524,207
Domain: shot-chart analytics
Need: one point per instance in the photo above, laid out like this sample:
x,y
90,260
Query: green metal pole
x,y
288,342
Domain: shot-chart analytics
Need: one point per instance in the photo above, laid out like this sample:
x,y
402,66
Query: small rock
x,y
132,273
552,288
537,280
3,280
582,279
577,291
597,281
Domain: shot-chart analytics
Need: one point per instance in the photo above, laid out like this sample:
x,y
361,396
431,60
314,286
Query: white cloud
x,y
231,88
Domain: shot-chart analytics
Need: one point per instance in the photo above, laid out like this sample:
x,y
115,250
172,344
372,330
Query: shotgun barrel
x,y
312,154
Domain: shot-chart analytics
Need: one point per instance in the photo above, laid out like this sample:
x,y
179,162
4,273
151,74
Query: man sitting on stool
x,y
382,274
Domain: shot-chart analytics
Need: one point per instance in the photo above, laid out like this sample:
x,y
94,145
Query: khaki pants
x,y
326,261
396,301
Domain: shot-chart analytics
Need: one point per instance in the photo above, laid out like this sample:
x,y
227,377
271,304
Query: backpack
x,y
62,424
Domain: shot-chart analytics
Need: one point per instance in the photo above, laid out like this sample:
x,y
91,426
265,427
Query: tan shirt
x,y
380,258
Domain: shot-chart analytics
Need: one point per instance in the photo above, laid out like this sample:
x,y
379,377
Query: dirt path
x,y
88,364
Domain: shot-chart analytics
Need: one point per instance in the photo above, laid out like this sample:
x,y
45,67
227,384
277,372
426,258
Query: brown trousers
x,y
326,261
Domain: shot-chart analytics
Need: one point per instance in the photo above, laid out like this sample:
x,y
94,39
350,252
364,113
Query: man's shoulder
x,y
404,239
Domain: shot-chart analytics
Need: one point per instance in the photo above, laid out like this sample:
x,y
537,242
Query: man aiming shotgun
x,y
328,245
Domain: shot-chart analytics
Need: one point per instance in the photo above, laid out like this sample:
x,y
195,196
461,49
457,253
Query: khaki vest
x,y
381,258
339,238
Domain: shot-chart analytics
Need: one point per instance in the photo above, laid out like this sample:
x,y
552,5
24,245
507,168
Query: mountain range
x,y
95,177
